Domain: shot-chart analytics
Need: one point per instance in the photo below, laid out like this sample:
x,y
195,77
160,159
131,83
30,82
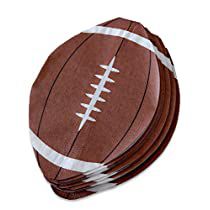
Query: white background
x,y
30,30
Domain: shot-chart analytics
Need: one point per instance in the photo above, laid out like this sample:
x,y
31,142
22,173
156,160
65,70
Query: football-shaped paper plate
x,y
103,107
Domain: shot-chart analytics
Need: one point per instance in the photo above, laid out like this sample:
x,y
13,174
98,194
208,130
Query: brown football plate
x,y
102,107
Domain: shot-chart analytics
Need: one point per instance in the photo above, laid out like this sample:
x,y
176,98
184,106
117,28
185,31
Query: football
x,y
103,107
